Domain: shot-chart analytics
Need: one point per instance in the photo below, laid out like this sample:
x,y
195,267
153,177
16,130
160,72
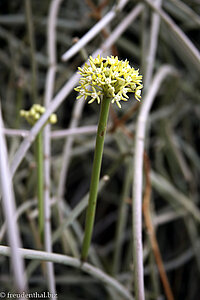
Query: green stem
x,y
40,182
90,215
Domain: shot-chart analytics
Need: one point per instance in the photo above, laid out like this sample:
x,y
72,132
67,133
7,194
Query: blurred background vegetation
x,y
171,146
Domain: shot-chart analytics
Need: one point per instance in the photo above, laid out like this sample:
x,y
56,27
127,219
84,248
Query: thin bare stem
x,y
56,134
84,130
76,114
153,46
15,132
9,211
49,88
123,25
138,177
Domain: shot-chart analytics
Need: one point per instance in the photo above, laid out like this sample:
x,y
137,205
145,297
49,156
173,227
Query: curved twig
x,y
138,177
72,262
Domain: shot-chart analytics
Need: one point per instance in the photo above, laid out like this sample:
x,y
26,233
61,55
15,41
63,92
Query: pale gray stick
x,y
56,134
138,178
153,41
76,114
73,262
15,132
124,24
73,279
9,209
93,31
49,88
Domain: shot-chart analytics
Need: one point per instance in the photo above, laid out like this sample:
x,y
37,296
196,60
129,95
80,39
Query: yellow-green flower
x,y
109,77
34,114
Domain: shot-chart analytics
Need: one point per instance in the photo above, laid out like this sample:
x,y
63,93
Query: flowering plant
x,y
110,80
109,77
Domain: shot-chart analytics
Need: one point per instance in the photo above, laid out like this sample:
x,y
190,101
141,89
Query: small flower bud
x,y
53,119
22,113
34,114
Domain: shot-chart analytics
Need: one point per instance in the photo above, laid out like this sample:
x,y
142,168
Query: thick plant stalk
x,y
95,176
40,182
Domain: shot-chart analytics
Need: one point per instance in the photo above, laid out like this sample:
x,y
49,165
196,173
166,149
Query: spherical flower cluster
x,y
109,77
34,114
